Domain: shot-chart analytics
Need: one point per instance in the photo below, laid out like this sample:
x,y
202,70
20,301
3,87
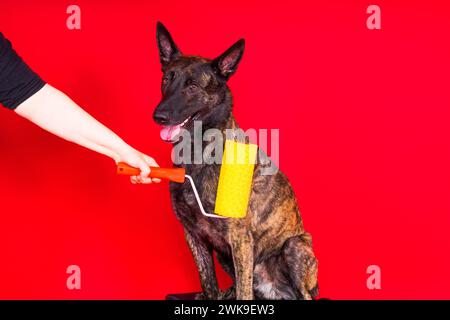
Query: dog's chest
x,y
212,230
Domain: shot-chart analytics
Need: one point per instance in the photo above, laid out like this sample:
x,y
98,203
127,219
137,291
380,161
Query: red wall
x,y
364,126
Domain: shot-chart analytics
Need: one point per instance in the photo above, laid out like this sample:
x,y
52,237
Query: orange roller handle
x,y
172,174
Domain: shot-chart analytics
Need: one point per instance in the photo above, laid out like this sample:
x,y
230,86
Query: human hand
x,y
142,161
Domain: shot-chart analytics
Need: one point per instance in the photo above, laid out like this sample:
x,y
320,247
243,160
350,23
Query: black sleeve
x,y
17,81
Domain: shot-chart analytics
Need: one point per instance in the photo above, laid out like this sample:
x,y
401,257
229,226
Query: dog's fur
x,y
268,253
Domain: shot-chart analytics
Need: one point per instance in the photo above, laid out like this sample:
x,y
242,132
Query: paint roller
x,y
235,179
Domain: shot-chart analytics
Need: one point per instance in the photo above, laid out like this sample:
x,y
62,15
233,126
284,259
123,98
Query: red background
x,y
364,127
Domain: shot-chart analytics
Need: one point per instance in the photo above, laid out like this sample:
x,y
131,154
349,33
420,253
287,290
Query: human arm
x,y
55,112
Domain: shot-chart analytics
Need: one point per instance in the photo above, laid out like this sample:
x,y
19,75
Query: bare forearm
x,y
55,112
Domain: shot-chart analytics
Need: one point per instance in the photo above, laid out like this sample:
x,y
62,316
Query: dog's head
x,y
193,88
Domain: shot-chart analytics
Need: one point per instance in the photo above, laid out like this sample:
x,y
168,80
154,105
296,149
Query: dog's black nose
x,y
161,117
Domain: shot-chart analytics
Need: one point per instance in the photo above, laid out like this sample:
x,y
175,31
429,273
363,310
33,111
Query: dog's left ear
x,y
168,50
226,64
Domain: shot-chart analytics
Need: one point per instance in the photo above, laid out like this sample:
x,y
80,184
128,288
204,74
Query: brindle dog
x,y
268,253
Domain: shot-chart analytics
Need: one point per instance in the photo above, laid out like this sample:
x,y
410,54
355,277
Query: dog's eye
x,y
192,87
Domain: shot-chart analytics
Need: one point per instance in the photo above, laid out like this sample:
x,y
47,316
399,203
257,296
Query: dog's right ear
x,y
168,51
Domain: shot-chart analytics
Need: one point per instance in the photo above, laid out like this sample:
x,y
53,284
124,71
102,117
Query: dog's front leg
x,y
205,265
241,242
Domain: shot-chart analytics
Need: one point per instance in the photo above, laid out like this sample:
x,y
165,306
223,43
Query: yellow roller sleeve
x,y
235,180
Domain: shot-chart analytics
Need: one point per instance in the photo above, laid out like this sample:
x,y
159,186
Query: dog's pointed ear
x,y
167,48
226,64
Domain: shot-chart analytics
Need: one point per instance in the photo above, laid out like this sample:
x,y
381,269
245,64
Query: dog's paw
x,y
229,294
200,296
203,296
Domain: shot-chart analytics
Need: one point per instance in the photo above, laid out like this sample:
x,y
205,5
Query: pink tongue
x,y
168,133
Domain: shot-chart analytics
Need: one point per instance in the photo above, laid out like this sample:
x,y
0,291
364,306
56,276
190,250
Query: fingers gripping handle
x,y
172,174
